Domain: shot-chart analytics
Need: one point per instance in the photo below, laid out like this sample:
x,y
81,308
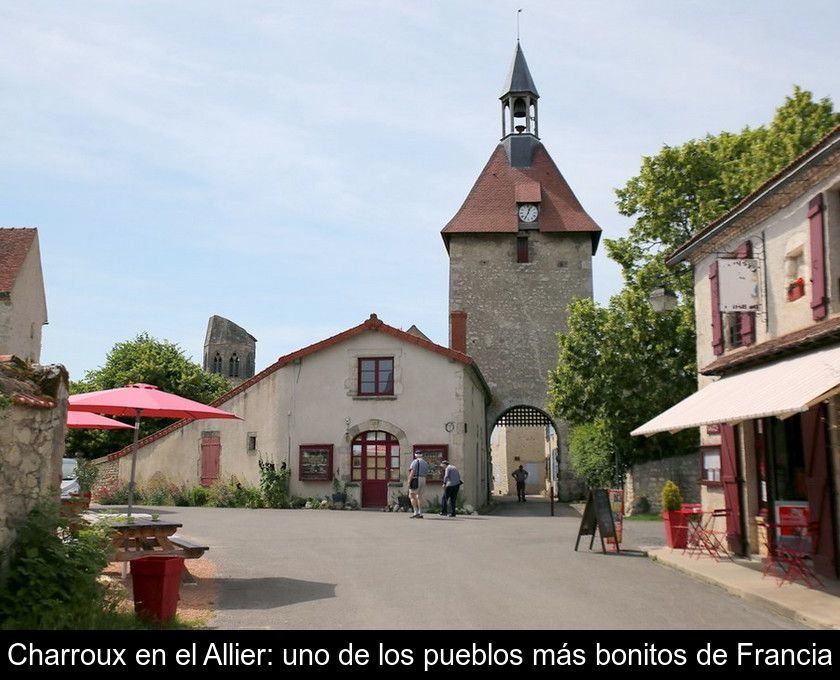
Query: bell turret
x,y
519,99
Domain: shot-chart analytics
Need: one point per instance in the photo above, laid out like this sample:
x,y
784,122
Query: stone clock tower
x,y
520,250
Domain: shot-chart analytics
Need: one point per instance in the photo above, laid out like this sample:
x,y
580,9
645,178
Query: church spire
x,y
519,98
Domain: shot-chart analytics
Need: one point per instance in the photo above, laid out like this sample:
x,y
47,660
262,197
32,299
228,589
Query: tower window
x,y
233,366
522,249
217,363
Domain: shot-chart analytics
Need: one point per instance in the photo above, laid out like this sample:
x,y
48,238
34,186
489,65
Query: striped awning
x,y
779,389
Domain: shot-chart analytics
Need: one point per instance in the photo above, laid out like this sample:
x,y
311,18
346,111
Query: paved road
x,y
514,569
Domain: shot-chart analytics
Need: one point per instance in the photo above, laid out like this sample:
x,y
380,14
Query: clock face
x,y
528,212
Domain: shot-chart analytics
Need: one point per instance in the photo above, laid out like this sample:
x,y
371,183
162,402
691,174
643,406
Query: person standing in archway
x,y
417,472
520,476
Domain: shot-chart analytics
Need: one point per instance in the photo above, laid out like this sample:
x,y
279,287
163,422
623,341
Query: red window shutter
x,y
731,492
211,448
717,321
819,302
747,319
817,476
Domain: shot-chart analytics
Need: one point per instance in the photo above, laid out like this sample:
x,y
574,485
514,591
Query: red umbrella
x,y
142,400
82,420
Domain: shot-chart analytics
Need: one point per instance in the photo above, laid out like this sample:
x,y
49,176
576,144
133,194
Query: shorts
x,y
421,483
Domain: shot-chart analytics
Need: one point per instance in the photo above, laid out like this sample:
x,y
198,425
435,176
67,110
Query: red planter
x,y
676,528
156,582
795,291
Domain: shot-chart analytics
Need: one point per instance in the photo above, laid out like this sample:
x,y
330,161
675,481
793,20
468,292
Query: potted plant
x,y
339,496
796,289
676,528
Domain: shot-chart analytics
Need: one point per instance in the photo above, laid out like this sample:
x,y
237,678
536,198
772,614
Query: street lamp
x,y
662,299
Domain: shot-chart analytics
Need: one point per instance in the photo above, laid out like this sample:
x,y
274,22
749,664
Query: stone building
x,y
767,308
352,408
520,251
23,303
229,350
33,409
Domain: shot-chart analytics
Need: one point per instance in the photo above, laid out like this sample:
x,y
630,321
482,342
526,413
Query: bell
x,y
519,110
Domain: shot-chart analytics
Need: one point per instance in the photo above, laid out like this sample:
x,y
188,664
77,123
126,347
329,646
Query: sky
x,y
289,165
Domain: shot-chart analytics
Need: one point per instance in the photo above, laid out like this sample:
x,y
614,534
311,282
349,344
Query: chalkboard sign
x,y
597,515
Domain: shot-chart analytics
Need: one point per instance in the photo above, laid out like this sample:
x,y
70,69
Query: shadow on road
x,y
267,593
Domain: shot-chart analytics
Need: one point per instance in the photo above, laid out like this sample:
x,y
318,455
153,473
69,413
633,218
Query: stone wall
x,y
647,479
33,413
108,476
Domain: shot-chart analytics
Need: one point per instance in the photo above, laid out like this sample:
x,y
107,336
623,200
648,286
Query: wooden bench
x,y
191,550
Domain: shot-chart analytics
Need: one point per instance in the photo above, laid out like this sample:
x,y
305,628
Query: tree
x,y
684,188
621,365
142,360
618,367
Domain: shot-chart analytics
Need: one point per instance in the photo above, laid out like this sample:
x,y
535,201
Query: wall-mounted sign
x,y
738,285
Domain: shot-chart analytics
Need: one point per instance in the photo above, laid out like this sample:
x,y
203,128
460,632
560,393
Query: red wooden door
x,y
211,450
818,489
731,487
376,461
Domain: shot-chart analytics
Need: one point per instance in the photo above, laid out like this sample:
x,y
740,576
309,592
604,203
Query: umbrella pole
x,y
133,462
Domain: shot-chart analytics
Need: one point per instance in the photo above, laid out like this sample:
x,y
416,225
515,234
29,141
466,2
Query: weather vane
x,y
518,12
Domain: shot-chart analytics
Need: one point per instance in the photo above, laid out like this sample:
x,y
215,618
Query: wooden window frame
x,y
324,476
376,391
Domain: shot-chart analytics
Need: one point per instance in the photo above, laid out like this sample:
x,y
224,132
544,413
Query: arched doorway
x,y
523,435
375,461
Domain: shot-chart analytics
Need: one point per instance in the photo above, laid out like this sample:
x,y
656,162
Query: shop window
x,y
710,465
315,462
433,454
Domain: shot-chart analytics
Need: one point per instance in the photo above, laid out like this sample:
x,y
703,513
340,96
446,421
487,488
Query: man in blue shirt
x,y
451,483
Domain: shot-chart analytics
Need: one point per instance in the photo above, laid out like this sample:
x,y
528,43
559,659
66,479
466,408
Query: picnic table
x,y
144,537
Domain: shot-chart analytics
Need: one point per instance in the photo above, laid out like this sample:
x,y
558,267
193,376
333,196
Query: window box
x,y
315,463
796,289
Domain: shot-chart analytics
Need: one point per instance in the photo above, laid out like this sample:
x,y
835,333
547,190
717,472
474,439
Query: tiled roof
x,y
14,245
373,323
16,382
490,206
815,335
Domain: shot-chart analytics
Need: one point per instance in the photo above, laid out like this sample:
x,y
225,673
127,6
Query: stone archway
x,y
372,442
527,436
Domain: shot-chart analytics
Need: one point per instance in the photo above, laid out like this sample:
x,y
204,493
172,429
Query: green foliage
x,y
142,360
199,496
671,497
51,579
118,495
592,452
297,502
274,485
683,188
234,494
618,367
86,474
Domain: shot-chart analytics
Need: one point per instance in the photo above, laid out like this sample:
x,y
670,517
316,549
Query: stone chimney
x,y
458,331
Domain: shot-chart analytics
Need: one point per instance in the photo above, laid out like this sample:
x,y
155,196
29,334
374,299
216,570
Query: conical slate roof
x,y
519,77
